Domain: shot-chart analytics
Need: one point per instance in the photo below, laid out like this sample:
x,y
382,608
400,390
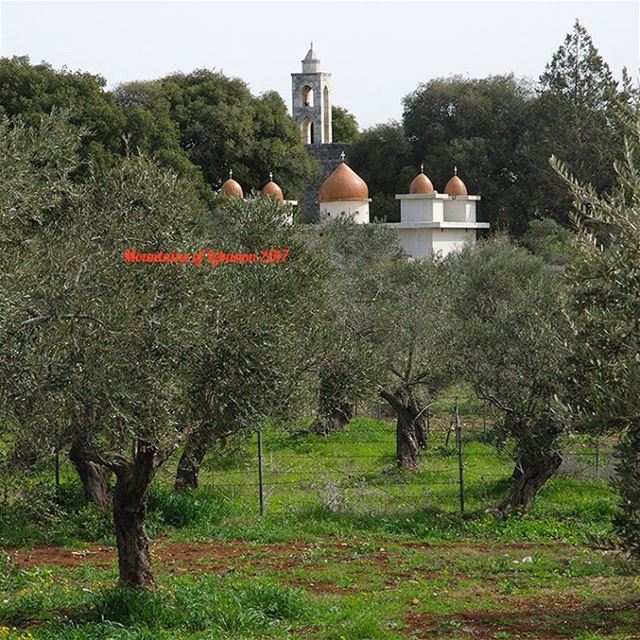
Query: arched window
x,y
307,131
307,96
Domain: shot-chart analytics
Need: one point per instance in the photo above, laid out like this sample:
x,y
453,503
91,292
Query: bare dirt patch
x,y
541,619
27,558
212,556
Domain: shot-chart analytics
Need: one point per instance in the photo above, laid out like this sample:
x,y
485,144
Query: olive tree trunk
x,y
537,461
407,443
95,477
529,476
338,418
129,512
195,449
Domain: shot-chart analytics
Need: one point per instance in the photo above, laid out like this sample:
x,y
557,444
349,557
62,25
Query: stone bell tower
x,y
311,93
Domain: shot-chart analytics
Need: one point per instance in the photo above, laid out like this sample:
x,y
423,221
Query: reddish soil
x,y
540,619
44,555
183,556
218,557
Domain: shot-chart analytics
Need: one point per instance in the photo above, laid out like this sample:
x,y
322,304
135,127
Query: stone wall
x,y
328,156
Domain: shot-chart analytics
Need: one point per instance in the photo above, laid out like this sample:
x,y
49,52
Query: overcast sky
x,y
377,51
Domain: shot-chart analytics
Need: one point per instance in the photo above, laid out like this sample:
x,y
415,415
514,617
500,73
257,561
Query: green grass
x,y
349,548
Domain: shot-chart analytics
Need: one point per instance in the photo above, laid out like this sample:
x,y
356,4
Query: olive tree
x,y
604,395
255,362
512,328
391,332
95,345
348,366
415,338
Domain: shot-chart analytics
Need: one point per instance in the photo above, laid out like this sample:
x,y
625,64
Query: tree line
x,y
500,132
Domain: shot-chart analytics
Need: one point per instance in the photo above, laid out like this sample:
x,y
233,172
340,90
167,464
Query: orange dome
x,y
231,188
455,186
272,190
421,183
343,184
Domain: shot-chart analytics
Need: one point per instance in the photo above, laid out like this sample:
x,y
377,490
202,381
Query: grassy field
x,y
349,548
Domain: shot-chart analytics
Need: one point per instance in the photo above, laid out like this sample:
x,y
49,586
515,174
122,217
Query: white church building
x,y
431,223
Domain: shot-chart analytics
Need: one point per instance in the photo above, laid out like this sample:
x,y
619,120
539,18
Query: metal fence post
x,y
57,463
260,472
484,419
460,458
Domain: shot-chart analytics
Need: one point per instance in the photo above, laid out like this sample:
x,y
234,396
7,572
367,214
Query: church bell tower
x,y
311,93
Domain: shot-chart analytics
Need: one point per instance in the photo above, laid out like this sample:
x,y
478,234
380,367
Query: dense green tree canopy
x,y
223,127
33,90
500,132
110,126
575,120
344,124
200,125
382,156
480,126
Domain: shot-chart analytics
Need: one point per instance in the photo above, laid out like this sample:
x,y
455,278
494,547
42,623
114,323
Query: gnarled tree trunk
x,y
129,513
407,444
529,476
421,423
338,418
95,477
195,449
537,462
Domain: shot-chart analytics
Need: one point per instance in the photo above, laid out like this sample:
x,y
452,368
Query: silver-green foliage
x,y
605,317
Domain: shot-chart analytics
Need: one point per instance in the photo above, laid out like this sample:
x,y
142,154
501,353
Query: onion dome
x,y
231,188
421,183
344,184
272,190
455,186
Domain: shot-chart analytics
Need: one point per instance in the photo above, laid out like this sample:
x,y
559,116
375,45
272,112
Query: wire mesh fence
x,y
463,467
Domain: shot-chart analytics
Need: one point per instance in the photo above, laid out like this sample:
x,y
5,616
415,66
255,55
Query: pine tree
x,y
575,112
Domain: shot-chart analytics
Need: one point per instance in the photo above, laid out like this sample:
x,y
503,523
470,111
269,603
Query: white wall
x,y
459,210
425,209
416,242
358,210
444,241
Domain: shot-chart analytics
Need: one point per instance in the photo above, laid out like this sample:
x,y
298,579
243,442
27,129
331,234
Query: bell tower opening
x,y
307,131
307,96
